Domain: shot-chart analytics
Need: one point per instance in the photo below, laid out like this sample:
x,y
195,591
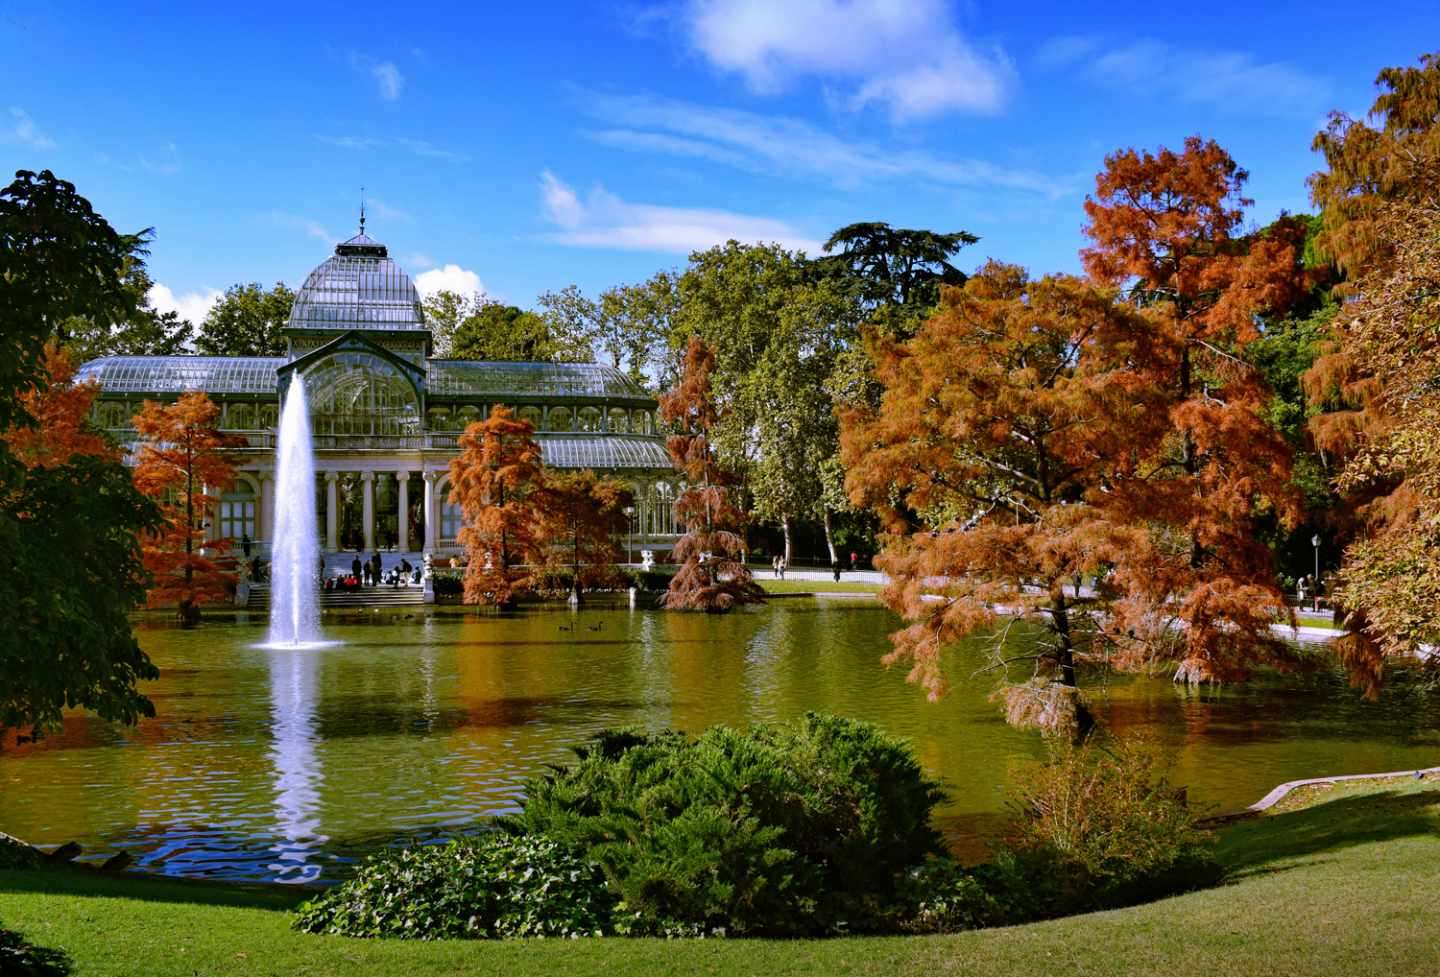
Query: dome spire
x,y
362,210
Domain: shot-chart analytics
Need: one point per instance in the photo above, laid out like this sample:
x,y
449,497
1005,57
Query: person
x,y
255,569
406,571
376,567
782,566
854,560
355,566
835,568
775,566
245,544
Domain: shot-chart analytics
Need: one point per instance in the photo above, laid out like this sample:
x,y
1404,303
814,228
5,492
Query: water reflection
x,y
297,772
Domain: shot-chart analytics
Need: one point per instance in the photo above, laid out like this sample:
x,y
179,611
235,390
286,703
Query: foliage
x,y
496,886
181,459
145,331
21,958
492,480
247,321
894,265
578,516
938,896
806,827
712,575
494,331
447,584
1100,828
444,311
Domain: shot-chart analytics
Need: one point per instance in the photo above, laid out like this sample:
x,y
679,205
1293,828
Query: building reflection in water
x,y
298,842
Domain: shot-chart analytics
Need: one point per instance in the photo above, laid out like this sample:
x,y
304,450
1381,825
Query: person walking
x,y
782,566
835,568
854,561
245,544
775,566
355,566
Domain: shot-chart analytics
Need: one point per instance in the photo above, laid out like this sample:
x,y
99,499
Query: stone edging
x,y
1279,793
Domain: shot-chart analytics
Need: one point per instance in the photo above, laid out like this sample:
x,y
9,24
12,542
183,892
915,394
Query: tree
x,y
505,332
145,332
69,564
712,575
493,480
444,312
182,455
895,265
988,460
1168,225
247,321
578,517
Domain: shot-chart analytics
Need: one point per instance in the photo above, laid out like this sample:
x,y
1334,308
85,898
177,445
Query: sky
x,y
520,148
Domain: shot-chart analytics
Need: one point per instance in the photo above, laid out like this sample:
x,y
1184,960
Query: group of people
x,y
372,573
779,563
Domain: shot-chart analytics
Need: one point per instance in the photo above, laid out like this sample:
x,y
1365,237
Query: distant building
x,y
385,414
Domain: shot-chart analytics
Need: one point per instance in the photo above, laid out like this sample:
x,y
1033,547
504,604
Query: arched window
x,y
361,393
559,419
588,419
530,415
240,417
663,509
111,414
450,519
640,422
619,420
437,419
269,415
466,416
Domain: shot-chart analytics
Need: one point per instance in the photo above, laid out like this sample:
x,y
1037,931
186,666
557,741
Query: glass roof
x,y
358,287
176,374
474,378
602,451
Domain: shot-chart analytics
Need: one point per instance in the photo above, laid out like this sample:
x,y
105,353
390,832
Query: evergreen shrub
x,y
801,828
447,584
497,885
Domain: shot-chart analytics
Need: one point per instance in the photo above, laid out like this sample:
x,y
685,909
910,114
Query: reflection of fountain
x,y
297,770
295,552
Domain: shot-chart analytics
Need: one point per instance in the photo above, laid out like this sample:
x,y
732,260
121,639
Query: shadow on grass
x,y
78,881
1267,844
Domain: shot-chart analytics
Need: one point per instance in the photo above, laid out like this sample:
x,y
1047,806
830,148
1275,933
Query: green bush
x,y
1099,828
941,897
495,886
447,584
20,958
651,580
801,828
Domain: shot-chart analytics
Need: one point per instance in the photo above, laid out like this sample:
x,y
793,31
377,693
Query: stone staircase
x,y
384,595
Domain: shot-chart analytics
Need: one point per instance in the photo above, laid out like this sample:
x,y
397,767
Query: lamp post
x,y
1315,542
629,514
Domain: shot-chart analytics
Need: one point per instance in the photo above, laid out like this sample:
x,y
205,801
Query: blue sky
x,y
523,147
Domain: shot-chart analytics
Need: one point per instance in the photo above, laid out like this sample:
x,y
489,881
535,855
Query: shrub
x,y
20,958
805,827
447,584
939,896
1098,828
495,886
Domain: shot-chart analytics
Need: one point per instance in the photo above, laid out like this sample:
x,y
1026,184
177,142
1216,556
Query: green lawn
x,y
773,586
1343,886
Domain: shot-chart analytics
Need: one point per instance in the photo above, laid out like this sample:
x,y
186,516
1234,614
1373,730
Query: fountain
x,y
295,549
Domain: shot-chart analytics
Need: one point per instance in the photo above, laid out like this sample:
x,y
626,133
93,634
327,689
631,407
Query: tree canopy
x,y
506,332
247,321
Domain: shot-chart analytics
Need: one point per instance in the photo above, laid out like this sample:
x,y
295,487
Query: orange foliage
x,y
182,455
577,519
61,412
493,480
712,576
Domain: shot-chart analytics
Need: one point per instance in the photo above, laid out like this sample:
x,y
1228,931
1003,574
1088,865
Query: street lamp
x,y
629,556
1315,542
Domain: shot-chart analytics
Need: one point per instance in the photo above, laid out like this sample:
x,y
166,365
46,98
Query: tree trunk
x,y
787,525
1064,646
830,537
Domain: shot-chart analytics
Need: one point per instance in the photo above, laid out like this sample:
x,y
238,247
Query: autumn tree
x,y
712,575
578,517
493,480
988,460
1168,227
182,459
69,564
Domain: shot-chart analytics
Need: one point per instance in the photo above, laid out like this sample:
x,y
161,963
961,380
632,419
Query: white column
x,y
367,509
430,534
402,522
332,512
265,518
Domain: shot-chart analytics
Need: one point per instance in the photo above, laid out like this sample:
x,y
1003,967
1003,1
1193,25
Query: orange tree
x,y
1185,504
712,576
494,480
578,516
987,461
182,453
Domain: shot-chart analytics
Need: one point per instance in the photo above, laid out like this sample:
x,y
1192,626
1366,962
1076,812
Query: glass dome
x,y
359,287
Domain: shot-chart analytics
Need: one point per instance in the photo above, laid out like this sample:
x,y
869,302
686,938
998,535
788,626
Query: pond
x,y
288,765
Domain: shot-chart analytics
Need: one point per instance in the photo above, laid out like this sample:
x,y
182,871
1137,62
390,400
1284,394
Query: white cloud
x,y
311,228
792,146
388,79
188,305
419,147
603,220
385,211
908,55
165,160
23,130
449,278
418,259
1234,80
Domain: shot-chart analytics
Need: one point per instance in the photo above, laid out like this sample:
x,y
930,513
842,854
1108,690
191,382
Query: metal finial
x,y
362,210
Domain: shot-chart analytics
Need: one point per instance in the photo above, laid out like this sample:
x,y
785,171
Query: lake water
x,y
286,766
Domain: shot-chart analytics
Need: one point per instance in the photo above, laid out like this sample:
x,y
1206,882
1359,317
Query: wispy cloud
x,y
165,160
23,130
303,224
793,146
387,212
389,82
192,306
450,278
1233,80
419,147
909,57
600,219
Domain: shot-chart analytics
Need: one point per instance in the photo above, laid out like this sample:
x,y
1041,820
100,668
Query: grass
x,y
1342,886
773,586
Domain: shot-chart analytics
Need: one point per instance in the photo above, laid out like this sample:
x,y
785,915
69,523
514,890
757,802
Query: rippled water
x,y
286,765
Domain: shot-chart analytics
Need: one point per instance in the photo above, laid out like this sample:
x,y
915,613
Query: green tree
x,y
895,265
69,557
444,312
505,332
247,322
145,332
